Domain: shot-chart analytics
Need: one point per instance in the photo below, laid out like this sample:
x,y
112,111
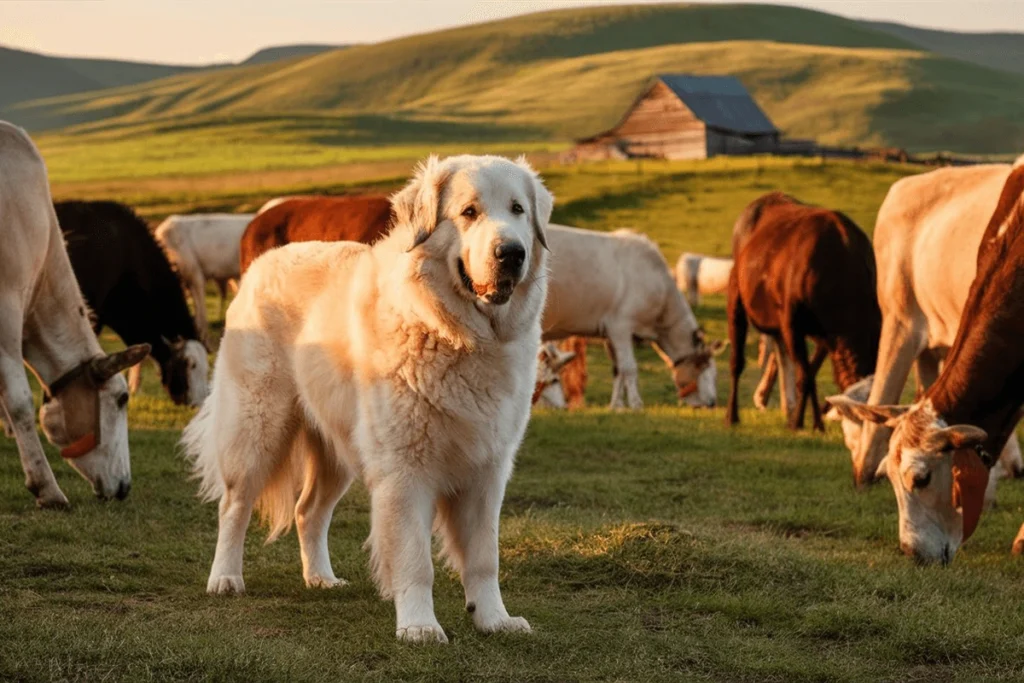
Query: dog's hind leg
x,y
327,479
254,465
469,524
401,514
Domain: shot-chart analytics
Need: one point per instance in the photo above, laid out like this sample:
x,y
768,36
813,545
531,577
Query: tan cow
x,y
617,286
926,244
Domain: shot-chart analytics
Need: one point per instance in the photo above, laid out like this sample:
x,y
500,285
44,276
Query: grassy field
x,y
550,76
654,546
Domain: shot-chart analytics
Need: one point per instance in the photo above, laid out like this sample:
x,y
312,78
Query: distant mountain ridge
x,y
279,52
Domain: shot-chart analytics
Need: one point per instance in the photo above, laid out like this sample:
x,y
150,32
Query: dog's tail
x,y
217,444
199,443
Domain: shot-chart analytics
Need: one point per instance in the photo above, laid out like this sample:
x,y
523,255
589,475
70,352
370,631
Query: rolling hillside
x,y
568,73
1002,51
29,75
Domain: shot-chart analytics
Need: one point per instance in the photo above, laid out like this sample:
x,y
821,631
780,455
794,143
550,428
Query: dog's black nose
x,y
510,255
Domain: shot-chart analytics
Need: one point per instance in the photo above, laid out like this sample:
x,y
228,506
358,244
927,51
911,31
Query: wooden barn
x,y
686,117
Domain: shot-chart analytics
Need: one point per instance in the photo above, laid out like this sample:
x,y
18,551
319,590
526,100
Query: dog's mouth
x,y
497,294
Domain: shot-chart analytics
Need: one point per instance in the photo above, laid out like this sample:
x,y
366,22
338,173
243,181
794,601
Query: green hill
x,y
28,75
569,73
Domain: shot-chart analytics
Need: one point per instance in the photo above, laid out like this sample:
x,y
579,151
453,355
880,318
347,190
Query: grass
x,y
554,76
654,546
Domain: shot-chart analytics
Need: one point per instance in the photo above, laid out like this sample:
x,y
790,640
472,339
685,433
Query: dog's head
x,y
498,211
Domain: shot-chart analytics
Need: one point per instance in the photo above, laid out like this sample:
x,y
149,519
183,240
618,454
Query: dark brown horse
x,y
310,219
803,272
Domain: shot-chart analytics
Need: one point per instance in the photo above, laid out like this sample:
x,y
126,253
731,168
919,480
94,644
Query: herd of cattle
x,y
937,291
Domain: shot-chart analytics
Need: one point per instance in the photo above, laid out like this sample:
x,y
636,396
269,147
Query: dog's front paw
x,y
428,633
505,625
325,582
225,585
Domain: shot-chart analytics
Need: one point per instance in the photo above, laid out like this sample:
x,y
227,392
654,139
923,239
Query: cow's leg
x,y
736,314
901,342
16,399
469,523
1011,457
628,375
327,479
926,370
769,371
796,347
401,513
820,353
787,381
222,287
197,290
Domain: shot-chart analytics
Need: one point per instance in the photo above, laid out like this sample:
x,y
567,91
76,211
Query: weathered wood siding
x,y
661,126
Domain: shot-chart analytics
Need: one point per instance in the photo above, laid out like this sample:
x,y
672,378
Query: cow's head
x,y
938,472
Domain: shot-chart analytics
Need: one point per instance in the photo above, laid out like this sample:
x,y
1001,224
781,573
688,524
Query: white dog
x,y
411,363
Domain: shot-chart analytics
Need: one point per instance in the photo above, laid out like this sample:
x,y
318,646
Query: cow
x,y
358,218
617,286
44,324
926,243
942,447
131,288
802,272
697,274
204,247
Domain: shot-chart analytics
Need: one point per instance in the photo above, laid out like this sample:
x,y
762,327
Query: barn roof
x,y
720,102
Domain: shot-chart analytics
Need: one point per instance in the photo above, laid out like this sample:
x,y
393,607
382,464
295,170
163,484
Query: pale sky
x,y
205,31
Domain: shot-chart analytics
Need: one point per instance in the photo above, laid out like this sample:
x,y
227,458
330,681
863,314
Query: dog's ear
x,y
418,204
541,201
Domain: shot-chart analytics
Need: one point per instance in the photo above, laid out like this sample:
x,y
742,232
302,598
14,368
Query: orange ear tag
x,y
970,479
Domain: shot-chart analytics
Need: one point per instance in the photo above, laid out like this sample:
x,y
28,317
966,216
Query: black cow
x,y
131,288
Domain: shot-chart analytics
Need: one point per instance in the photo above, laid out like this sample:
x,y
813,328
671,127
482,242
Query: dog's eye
x,y
517,208
922,480
122,400
469,212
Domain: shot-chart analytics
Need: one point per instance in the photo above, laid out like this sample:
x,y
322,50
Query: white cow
x,y
44,324
204,247
617,286
926,245
698,274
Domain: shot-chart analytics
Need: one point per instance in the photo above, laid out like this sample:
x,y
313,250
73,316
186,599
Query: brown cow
x,y
803,271
310,219
939,472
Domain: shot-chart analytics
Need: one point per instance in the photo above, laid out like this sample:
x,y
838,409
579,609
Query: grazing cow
x,y
44,323
698,274
547,392
939,455
803,272
926,243
311,219
618,287
131,288
204,247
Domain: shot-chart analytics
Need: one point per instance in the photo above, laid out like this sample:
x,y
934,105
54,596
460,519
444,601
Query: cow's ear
x,y
858,412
